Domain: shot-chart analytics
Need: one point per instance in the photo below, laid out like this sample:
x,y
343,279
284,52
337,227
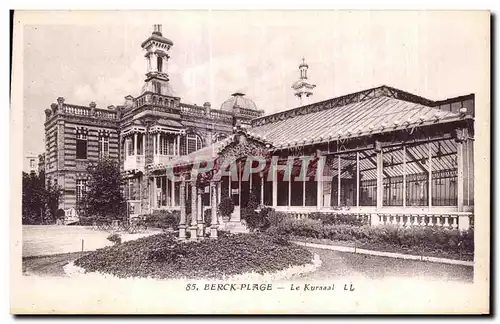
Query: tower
x,y
302,87
157,48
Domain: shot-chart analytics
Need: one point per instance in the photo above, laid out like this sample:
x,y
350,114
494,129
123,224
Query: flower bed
x,y
162,256
429,241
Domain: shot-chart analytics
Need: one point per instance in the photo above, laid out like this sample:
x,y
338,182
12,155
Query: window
x,y
193,143
55,146
444,173
163,144
103,145
130,147
159,62
32,163
368,178
81,188
81,144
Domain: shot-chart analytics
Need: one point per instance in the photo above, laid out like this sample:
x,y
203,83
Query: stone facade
x,y
145,131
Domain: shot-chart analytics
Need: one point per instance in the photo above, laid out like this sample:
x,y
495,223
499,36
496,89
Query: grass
x,y
388,248
340,264
50,265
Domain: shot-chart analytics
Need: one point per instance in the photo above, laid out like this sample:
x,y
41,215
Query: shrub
x,y
338,219
251,218
253,201
226,207
222,233
257,220
276,218
162,256
115,238
163,219
422,238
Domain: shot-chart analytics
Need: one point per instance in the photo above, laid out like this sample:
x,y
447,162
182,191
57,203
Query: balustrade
x,y
446,220
87,112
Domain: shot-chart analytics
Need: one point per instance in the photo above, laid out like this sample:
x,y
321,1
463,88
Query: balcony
x,y
162,159
134,162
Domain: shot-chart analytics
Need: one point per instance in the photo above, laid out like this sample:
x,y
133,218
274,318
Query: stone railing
x,y
251,113
453,220
76,110
89,112
192,109
105,114
462,221
155,99
364,216
199,111
221,115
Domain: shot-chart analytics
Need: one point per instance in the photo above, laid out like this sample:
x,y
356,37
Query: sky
x,y
436,55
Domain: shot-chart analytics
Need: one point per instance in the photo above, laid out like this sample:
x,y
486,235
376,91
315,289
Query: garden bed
x,y
377,246
163,256
425,241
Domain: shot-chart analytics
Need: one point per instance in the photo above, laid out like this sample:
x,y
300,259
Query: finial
x,y
157,29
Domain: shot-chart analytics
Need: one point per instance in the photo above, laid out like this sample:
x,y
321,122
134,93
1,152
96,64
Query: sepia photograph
x,y
250,162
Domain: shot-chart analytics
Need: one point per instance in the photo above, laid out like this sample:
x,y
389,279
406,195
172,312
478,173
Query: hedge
x,y
423,238
163,219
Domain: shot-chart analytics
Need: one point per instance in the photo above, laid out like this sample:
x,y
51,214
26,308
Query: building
x,y
30,164
381,153
41,163
150,129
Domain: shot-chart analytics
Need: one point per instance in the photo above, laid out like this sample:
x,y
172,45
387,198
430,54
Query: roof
x,y
206,154
373,111
376,115
158,38
302,83
170,123
238,100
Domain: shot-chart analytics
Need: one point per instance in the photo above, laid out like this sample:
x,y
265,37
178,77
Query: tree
x,y
39,202
103,199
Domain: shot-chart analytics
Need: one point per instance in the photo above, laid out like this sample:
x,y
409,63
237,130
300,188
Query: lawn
x,y
337,265
54,239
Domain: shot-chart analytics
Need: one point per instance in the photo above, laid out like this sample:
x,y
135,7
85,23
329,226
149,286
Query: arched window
x,y
193,143
159,62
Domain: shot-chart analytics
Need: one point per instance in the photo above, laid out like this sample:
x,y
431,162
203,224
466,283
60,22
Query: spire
x,y
302,87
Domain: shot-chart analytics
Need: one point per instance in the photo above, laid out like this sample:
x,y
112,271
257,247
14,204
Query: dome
x,y
239,100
